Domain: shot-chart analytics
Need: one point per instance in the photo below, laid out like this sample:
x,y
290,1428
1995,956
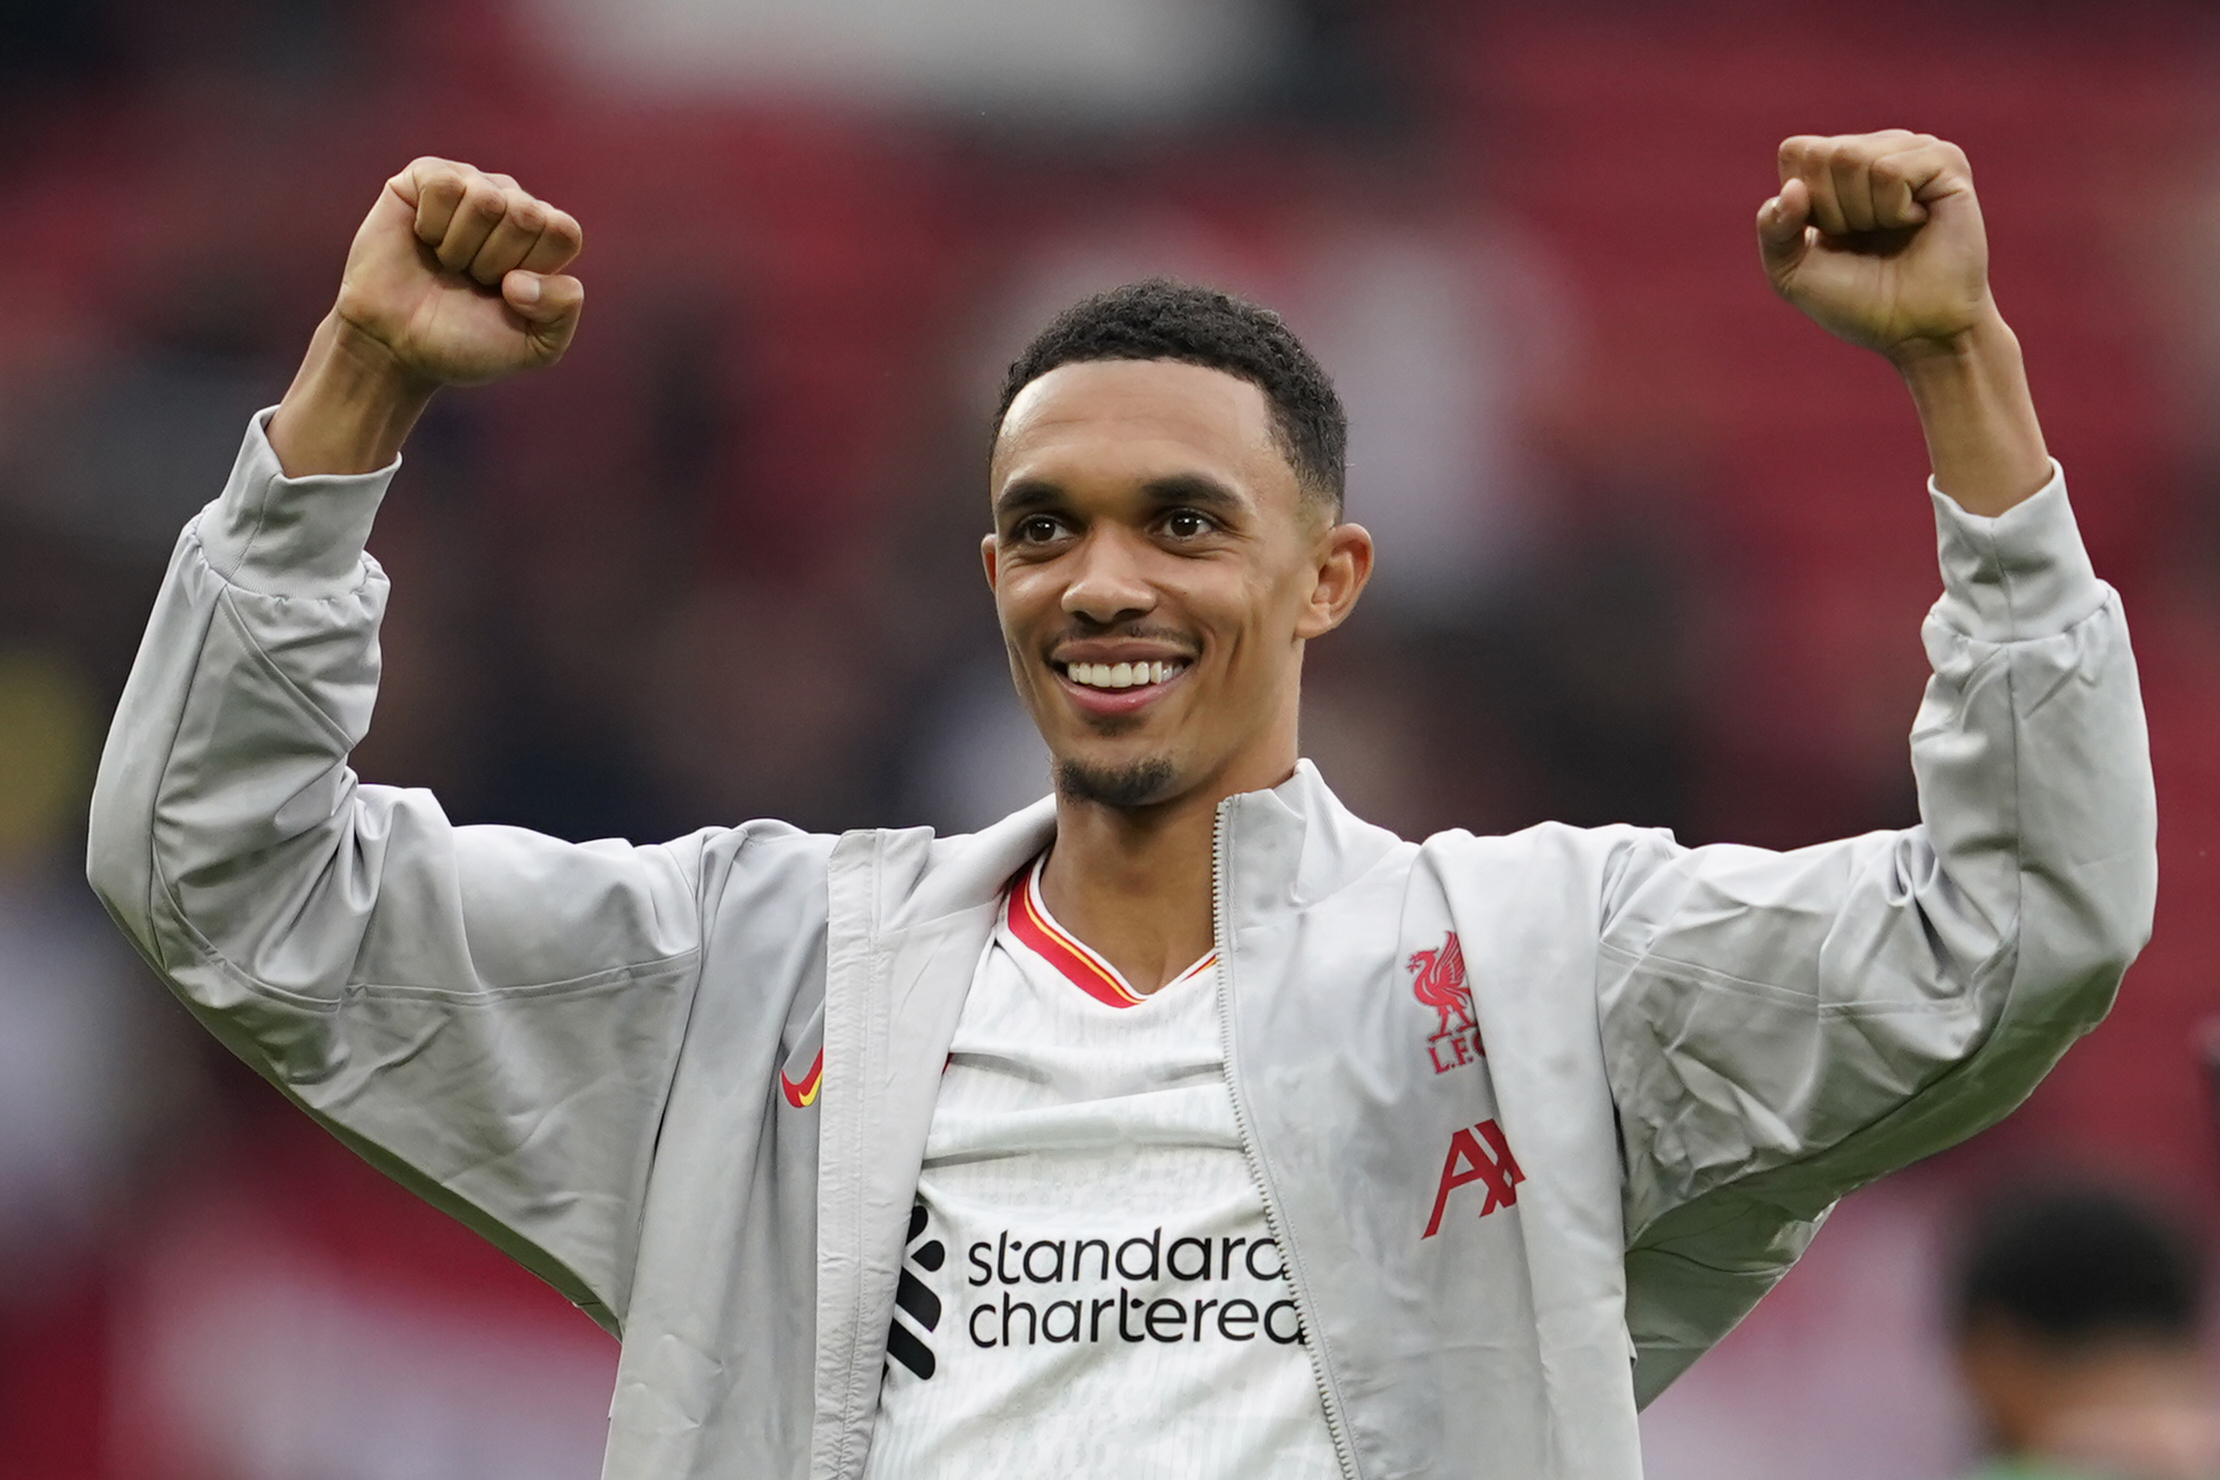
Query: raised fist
x,y
458,275
1878,238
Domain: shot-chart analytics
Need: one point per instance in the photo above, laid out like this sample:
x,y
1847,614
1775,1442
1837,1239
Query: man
x,y
2076,1320
1183,1123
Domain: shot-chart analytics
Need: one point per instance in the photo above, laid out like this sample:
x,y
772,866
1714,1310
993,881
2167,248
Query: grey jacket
x,y
1679,1058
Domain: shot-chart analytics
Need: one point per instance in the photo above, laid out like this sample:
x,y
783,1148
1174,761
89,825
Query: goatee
x,y
1135,784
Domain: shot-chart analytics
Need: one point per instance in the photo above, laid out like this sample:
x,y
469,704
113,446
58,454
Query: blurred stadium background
x,y
1653,549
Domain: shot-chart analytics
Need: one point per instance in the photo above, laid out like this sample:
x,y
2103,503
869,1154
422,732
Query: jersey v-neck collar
x,y
1028,920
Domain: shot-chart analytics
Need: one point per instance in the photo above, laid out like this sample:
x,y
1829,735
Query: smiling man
x,y
1168,535
1183,1124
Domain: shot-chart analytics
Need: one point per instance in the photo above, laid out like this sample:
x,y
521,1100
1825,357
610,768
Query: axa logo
x,y
1438,981
915,1299
1477,1153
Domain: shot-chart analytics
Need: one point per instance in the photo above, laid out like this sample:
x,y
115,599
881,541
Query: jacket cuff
x,y
2020,575
289,536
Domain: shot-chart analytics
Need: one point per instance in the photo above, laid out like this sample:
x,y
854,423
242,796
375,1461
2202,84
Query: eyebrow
x,y
1027,493
1198,490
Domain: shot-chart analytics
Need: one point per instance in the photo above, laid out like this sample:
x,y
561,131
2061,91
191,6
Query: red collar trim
x,y
1030,922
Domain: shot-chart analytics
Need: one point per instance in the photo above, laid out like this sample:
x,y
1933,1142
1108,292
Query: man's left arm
x,y
1783,1027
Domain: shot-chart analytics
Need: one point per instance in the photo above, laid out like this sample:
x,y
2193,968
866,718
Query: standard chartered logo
x,y
1139,1288
914,1298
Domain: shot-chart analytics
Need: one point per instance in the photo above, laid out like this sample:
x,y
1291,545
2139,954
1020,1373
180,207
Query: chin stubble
x,y
1135,784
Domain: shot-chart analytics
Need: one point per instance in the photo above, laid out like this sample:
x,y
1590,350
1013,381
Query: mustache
x,y
1083,630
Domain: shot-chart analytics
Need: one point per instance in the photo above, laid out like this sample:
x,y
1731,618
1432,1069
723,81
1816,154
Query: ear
x,y
989,554
1344,556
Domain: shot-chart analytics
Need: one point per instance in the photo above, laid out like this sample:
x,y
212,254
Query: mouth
x,y
1119,688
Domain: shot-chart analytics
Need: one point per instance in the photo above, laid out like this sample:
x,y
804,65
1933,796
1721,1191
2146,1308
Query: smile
x,y
1121,675
1111,691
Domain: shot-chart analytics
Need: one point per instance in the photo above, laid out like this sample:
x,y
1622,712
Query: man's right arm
x,y
491,1015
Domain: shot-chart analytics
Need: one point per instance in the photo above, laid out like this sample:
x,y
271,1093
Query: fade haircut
x,y
1160,319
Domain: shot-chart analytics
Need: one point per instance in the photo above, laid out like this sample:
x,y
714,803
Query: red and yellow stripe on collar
x,y
1031,923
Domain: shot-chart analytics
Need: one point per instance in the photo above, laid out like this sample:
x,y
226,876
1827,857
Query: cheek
x,y
1019,601
1261,620
1029,613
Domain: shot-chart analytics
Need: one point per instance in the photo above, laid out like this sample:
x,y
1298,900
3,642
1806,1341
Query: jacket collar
x,y
1287,848
969,870
1295,844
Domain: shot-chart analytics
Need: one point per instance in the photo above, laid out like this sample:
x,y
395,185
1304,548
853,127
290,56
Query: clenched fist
x,y
456,277
1878,238
458,274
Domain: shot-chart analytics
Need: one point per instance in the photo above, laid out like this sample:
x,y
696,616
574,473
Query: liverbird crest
x,y
1438,980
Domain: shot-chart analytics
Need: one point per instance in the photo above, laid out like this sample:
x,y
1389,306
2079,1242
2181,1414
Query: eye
x,y
1186,524
1036,529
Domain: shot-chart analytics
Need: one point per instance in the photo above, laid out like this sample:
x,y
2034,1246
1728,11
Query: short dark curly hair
x,y
1162,319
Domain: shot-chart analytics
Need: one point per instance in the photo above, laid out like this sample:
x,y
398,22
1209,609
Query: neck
x,y
1135,883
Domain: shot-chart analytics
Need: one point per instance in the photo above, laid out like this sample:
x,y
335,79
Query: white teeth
x,y
1120,675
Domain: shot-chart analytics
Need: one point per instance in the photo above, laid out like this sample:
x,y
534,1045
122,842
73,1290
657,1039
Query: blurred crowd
x,y
1652,550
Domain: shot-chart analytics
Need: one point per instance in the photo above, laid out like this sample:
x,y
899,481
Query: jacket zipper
x,y
1222,944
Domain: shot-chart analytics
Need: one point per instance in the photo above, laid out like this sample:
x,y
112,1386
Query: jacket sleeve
x,y
1781,1028
490,1015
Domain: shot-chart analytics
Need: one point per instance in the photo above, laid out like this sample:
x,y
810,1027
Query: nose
x,y
1108,585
